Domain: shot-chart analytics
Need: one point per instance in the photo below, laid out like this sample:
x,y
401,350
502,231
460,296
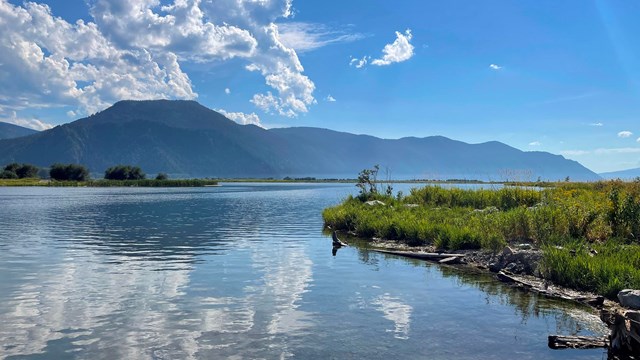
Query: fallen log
x,y
450,260
420,255
577,342
542,287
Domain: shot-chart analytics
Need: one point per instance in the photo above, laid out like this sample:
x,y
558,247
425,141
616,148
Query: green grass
x,y
616,266
604,216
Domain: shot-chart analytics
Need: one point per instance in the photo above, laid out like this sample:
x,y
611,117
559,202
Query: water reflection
x,y
569,318
241,271
398,312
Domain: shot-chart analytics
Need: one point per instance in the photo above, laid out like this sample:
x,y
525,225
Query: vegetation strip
x,y
75,175
588,232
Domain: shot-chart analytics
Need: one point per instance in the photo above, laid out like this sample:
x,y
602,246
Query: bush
x,y
124,172
27,171
6,174
69,172
19,171
162,176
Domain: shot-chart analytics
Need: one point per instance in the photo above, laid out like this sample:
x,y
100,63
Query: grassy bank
x,y
111,183
589,232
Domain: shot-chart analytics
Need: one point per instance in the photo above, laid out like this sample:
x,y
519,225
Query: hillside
x,y
10,131
623,174
188,139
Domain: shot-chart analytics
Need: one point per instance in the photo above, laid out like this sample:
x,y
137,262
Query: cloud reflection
x,y
397,311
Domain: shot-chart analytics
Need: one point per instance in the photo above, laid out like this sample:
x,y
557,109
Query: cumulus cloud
x,y
47,61
398,51
330,98
638,140
227,91
598,124
625,134
242,118
134,50
495,67
32,123
535,143
310,36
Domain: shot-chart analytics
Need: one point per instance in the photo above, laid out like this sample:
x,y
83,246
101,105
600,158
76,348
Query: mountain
x,y
184,138
623,174
10,131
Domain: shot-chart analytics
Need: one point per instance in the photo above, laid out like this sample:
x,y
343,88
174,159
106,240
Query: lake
x,y
242,271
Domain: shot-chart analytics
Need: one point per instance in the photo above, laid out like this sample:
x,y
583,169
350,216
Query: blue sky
x,y
562,77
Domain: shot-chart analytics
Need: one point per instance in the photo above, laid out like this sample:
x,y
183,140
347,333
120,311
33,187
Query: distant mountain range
x,y
184,138
623,174
10,131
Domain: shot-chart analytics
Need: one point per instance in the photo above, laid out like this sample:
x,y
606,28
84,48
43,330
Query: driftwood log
x,y
577,342
423,255
544,288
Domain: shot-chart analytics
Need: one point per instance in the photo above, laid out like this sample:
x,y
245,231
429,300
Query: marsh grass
x,y
602,268
602,216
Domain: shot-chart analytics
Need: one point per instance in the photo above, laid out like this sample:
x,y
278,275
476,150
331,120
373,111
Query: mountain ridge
x,y
627,174
10,131
186,138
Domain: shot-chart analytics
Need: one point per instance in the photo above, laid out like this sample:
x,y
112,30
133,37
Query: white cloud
x,y
495,67
625,134
359,63
310,36
134,50
181,28
626,150
32,123
598,124
278,63
398,51
242,118
71,114
330,98
47,61
602,151
638,140
227,91
535,143
574,152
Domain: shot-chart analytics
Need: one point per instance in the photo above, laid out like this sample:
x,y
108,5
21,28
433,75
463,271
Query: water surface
x,y
242,271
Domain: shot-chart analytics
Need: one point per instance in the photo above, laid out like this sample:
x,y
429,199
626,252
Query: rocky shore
x,y
519,265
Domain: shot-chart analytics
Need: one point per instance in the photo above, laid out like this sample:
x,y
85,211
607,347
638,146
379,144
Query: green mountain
x,y
10,131
185,138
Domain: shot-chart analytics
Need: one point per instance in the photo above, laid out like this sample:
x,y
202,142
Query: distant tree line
x,y
74,172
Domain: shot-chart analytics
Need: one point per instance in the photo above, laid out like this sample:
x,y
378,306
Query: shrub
x,y
124,172
6,174
69,172
19,171
162,176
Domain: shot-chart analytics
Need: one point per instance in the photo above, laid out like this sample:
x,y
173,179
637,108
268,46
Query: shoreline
x,y
519,261
524,259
